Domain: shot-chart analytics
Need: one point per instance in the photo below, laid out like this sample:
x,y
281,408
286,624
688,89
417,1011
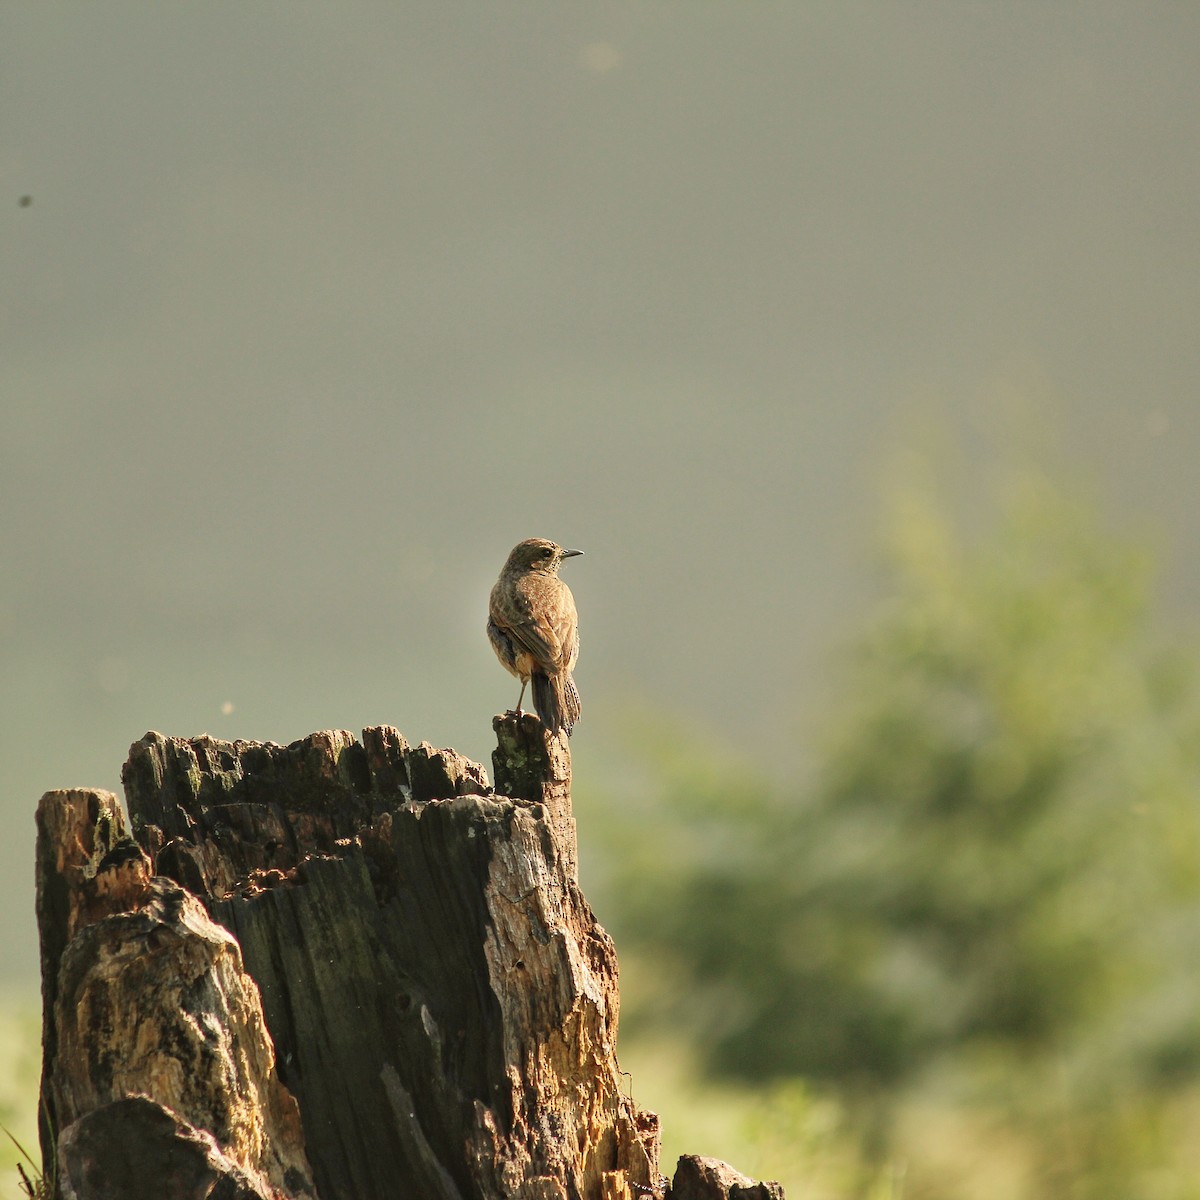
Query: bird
x,y
534,629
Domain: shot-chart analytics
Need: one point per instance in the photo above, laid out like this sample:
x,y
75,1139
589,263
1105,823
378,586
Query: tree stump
x,y
337,969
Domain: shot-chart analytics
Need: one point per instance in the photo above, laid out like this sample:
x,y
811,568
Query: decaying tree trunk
x,y
337,969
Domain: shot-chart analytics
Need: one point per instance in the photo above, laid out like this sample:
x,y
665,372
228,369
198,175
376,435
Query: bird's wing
x,y
536,638
567,626
502,644
571,645
544,623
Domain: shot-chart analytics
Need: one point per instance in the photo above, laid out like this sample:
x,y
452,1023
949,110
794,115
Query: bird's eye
x,y
547,552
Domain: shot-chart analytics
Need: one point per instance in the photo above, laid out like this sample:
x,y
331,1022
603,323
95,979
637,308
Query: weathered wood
x,y
337,968
148,996
136,1149
532,765
442,1002
76,828
699,1178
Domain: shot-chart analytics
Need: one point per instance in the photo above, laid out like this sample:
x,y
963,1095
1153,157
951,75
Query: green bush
x,y
998,852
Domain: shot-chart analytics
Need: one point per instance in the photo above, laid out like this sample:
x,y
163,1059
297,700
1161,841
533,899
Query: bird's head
x,y
538,554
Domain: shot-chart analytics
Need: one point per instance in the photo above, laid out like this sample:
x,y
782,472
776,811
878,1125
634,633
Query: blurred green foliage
x,y
20,1067
995,859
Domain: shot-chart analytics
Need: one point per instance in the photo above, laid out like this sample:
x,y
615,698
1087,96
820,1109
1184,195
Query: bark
x,y
145,995
337,968
531,766
699,1178
136,1149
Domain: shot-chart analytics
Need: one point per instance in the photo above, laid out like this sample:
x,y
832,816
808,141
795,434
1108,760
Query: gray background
x,y
318,309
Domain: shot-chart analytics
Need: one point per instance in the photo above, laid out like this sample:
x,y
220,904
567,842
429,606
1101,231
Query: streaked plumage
x,y
534,630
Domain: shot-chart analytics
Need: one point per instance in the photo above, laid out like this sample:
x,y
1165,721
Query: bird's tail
x,y
556,699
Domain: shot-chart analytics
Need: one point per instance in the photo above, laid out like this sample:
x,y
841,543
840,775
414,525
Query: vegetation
x,y
986,902
960,958
20,1062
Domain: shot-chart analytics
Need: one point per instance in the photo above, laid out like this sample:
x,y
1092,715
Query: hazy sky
x,y
316,310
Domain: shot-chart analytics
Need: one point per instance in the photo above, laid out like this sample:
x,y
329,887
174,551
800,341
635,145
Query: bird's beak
x,y
571,553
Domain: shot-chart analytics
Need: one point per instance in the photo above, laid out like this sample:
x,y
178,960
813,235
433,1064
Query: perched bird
x,y
534,630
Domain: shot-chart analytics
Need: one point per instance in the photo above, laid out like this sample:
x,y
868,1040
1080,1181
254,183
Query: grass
x,y
786,1132
980,1135
964,1135
20,1067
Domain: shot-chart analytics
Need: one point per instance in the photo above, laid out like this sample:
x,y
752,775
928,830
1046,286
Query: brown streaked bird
x,y
534,630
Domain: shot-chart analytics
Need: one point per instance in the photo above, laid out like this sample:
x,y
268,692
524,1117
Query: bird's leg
x,y
524,685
